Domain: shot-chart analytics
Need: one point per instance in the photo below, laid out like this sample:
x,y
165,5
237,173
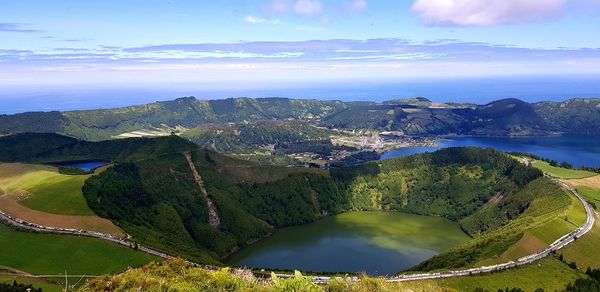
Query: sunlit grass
x,y
561,172
49,191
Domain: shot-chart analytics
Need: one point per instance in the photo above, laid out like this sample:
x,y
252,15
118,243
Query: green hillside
x,y
412,116
48,148
151,193
145,196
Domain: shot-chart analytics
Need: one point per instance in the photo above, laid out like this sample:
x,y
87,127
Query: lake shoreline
x,y
399,241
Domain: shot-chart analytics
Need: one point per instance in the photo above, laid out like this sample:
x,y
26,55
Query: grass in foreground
x,y
178,275
549,274
37,283
562,172
49,190
53,254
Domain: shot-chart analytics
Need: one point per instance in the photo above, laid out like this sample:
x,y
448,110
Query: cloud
x,y
279,6
15,27
308,7
487,12
258,20
339,59
252,19
324,51
354,6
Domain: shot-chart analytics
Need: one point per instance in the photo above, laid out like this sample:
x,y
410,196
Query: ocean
x,y
480,91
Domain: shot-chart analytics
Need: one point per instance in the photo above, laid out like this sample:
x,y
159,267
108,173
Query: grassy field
x,y
553,214
590,194
562,172
53,254
37,283
49,191
585,250
569,220
39,194
549,274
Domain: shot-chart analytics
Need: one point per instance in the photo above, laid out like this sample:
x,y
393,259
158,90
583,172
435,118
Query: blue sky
x,y
256,43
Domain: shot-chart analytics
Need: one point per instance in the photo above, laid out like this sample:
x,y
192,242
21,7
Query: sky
x,y
250,44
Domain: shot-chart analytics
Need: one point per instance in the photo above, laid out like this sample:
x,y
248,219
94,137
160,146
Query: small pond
x,y
86,166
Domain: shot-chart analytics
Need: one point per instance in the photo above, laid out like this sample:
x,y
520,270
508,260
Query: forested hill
x,y
417,116
151,192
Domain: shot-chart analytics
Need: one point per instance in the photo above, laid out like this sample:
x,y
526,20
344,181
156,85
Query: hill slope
x,y
413,116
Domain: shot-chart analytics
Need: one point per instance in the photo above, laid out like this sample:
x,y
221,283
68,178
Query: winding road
x,y
556,245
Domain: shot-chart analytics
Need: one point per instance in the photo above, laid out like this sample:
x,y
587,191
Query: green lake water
x,y
377,243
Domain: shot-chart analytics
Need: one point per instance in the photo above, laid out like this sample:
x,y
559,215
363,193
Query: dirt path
x,y
9,205
213,217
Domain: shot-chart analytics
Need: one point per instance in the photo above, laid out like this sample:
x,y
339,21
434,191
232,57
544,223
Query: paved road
x,y
558,244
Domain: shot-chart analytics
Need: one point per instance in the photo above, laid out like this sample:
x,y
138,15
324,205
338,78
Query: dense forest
x,y
412,116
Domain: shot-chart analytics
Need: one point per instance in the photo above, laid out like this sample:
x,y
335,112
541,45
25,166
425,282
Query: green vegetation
x,y
158,202
250,204
549,274
585,251
590,194
34,282
413,116
49,191
151,194
178,275
250,137
57,148
53,254
18,287
544,211
560,172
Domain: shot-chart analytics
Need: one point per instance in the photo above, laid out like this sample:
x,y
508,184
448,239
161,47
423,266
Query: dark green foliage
x,y
152,195
16,287
583,285
591,284
495,234
453,182
23,147
157,201
49,148
250,137
71,170
32,122
575,116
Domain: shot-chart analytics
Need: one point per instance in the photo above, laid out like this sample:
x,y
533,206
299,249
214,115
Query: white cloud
x,y
279,6
252,19
486,12
354,6
257,20
308,7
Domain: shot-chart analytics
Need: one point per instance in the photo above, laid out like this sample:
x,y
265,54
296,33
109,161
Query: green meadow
x,y
590,194
562,172
54,254
549,274
49,190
